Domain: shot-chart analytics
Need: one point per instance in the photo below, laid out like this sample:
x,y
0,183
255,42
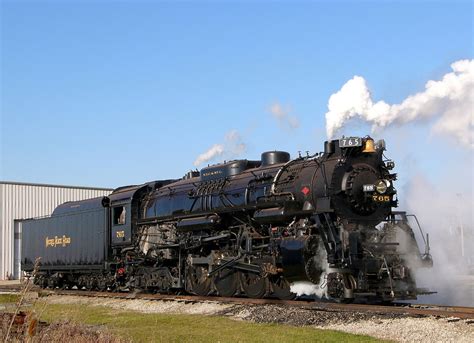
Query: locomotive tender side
x,y
74,238
254,227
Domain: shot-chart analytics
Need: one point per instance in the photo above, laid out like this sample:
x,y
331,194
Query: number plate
x,y
368,188
350,142
381,198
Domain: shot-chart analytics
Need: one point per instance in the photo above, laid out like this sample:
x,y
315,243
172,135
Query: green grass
x,y
141,327
8,298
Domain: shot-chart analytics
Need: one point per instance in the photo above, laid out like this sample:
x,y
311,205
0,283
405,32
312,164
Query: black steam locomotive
x,y
242,227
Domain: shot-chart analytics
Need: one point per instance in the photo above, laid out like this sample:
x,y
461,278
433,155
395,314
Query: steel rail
x,y
414,310
419,310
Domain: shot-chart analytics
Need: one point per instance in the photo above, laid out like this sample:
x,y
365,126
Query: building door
x,y
17,250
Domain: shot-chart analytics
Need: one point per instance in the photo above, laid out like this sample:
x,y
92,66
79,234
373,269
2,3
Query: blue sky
x,y
110,93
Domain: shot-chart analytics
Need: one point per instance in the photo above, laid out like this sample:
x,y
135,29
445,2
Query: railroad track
x,y
415,310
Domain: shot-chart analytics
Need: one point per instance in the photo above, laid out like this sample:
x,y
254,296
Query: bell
x,y
369,146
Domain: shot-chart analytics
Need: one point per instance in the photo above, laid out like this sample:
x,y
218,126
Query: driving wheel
x,y
198,281
226,282
253,285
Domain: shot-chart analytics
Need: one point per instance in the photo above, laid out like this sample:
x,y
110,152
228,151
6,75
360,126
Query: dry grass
x,y
27,328
9,298
23,323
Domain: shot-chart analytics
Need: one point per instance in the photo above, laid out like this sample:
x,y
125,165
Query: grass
x,y
8,298
142,327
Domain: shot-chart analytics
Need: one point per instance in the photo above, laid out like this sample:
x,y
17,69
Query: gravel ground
x,y
145,306
411,329
394,327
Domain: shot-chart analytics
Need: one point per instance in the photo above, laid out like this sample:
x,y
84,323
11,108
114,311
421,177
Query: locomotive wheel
x,y
145,282
198,281
253,285
226,282
64,285
80,282
102,283
52,283
41,281
91,282
281,288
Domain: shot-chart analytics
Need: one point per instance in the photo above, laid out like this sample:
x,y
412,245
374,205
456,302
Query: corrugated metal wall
x,y
23,200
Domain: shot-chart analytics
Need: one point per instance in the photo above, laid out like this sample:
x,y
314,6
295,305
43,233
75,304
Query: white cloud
x,y
282,115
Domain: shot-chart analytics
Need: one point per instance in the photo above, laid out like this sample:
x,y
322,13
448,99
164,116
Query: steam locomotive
x,y
242,227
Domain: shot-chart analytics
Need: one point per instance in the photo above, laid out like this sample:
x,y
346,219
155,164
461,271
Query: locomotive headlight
x,y
382,186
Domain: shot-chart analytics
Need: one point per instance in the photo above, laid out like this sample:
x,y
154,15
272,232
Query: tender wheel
x,y
227,282
64,285
102,283
253,285
51,283
281,288
91,282
41,281
198,281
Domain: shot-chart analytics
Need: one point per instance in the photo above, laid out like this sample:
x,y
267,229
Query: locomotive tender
x,y
241,227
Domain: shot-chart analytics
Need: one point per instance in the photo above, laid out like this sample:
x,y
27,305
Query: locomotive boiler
x,y
241,227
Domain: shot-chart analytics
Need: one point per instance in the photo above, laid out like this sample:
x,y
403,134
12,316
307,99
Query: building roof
x,y
50,185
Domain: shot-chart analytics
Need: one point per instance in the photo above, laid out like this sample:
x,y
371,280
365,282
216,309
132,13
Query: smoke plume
x,y
449,101
232,147
282,115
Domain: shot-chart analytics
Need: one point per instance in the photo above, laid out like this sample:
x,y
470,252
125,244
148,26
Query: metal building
x,y
28,200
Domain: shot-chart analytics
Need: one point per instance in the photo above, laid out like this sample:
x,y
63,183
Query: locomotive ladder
x,y
330,237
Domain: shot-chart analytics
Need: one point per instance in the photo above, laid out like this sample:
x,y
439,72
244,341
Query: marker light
x,y
390,165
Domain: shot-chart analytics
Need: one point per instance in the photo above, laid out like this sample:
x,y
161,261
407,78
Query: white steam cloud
x,y
213,152
449,100
320,290
445,212
231,147
282,115
308,288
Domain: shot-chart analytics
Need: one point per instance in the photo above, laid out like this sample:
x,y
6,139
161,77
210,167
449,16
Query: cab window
x,y
119,215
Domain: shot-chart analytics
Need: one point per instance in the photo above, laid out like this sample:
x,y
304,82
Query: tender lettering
x,y
57,241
